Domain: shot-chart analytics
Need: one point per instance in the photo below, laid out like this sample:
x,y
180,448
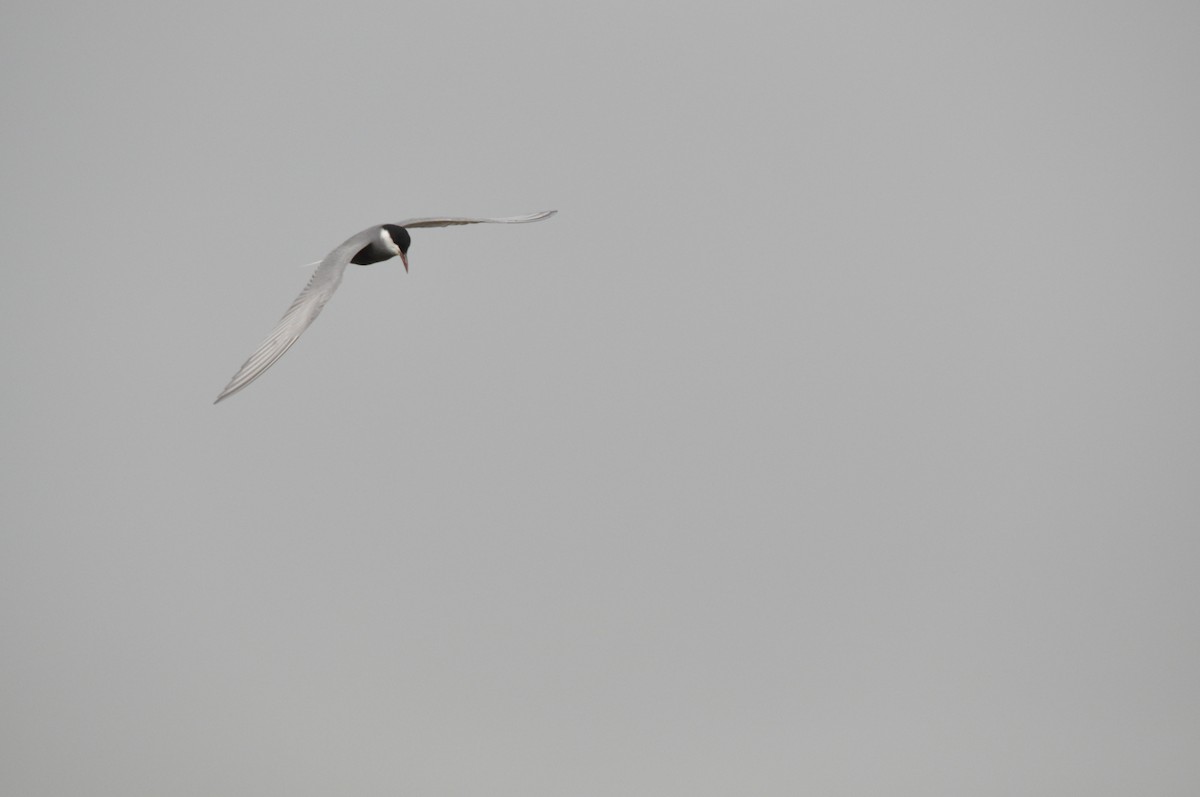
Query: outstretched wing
x,y
449,221
324,281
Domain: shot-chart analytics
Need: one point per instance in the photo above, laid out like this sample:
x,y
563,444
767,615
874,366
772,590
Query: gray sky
x,y
839,436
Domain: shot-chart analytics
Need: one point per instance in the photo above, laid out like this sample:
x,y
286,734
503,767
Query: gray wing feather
x,y
450,221
324,281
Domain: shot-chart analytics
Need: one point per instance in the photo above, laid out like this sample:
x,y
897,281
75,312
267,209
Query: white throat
x,y
386,237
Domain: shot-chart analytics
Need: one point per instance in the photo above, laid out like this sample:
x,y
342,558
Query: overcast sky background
x,y
839,436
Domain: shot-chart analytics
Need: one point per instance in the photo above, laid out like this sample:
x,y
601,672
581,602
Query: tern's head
x,y
396,239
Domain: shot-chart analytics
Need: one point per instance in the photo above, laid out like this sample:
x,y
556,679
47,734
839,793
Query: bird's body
x,y
383,245
372,245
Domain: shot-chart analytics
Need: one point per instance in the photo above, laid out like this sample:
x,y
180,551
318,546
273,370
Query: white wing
x,y
325,280
450,221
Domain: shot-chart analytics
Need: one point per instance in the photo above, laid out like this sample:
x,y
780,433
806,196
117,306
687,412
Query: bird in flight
x,y
372,245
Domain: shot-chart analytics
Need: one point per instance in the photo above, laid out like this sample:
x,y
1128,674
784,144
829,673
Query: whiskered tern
x,y
372,245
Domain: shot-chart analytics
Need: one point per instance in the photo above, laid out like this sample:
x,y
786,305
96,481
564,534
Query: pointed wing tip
x,y
543,214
